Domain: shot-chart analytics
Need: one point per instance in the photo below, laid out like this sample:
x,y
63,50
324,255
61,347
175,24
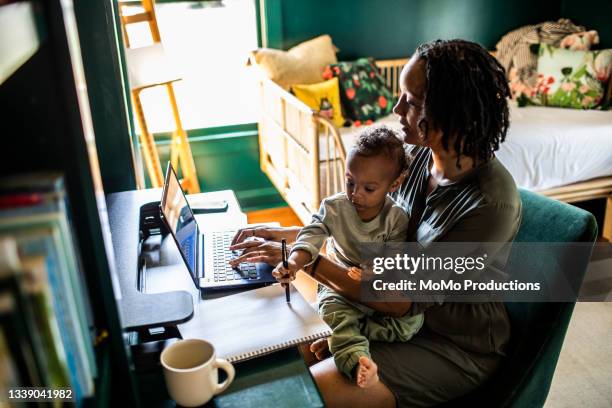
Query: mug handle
x,y
229,369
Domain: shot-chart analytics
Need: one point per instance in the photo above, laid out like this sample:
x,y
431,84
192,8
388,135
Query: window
x,y
210,45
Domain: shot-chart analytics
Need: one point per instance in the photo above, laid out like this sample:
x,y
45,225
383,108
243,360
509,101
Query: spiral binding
x,y
277,347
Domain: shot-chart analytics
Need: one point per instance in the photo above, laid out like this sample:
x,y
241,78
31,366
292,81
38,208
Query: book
x,y
254,323
35,216
50,209
9,377
282,380
62,306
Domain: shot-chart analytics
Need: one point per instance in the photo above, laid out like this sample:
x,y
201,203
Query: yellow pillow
x,y
323,97
302,64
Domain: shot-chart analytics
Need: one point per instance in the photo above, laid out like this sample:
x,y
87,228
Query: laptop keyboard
x,y
223,272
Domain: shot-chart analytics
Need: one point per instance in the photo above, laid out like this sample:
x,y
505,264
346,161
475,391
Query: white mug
x,y
191,372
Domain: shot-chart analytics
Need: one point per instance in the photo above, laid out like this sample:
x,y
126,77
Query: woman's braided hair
x,y
465,97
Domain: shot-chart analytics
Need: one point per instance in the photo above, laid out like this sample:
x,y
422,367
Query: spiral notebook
x,y
254,323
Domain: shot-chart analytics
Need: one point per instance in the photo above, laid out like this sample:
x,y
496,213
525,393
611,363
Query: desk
x,y
265,381
135,307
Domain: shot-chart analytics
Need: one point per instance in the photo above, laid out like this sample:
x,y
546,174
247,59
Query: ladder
x,y
142,76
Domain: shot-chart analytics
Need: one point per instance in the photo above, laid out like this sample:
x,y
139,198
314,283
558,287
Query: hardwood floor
x,y
284,215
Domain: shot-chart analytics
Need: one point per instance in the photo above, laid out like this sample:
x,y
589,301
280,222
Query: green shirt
x,y
482,207
337,223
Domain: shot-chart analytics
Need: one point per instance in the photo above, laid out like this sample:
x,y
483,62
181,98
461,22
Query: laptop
x,y
206,255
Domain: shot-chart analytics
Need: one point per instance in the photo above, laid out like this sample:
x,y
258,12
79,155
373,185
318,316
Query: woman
x,y
453,111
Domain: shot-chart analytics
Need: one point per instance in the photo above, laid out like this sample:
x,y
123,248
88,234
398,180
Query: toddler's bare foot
x,y
367,372
320,348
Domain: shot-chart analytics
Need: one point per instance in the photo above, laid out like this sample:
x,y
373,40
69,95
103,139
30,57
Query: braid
x,y
465,97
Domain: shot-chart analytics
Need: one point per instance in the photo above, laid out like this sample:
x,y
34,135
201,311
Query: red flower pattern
x,y
327,73
382,102
350,93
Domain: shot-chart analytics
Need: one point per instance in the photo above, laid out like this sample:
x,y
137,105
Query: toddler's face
x,y
368,180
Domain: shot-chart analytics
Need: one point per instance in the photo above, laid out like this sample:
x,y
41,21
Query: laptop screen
x,y
180,219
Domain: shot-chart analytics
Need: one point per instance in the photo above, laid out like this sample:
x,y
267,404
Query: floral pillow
x,y
523,82
582,41
570,79
365,97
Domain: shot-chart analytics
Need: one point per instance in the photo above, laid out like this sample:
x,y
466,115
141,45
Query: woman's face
x,y
409,106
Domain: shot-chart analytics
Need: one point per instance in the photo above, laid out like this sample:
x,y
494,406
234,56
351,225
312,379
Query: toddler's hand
x,y
286,275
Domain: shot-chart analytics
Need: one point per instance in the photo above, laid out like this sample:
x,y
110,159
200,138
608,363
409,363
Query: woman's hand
x,y
257,251
267,233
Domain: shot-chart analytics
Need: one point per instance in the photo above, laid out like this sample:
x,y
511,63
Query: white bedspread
x,y
551,147
545,147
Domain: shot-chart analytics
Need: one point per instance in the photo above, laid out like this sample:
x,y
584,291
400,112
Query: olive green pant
x,y
355,325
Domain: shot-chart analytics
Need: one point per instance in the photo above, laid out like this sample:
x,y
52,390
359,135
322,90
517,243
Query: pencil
x,y
286,266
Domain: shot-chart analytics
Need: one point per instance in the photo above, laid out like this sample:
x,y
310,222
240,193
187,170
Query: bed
x,y
561,153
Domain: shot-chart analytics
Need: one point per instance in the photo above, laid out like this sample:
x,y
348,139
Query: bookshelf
x,y
47,128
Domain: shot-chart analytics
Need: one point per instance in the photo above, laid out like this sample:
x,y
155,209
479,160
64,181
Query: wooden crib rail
x,y
390,70
334,159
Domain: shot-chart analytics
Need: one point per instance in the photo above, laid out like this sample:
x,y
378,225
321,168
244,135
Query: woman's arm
x,y
336,277
327,272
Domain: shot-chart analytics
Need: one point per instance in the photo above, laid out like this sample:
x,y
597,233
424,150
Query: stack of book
x,y
46,325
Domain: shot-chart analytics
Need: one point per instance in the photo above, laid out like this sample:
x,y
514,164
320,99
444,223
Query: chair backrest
x,y
538,329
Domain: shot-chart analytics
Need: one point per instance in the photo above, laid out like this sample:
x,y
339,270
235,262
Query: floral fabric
x,y
582,41
517,51
365,97
568,79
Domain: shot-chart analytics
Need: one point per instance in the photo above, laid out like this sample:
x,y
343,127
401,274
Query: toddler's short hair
x,y
382,140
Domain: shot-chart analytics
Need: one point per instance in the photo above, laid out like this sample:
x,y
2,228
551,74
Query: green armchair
x,y
538,329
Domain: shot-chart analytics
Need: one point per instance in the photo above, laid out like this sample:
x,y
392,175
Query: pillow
x,y
582,41
572,79
302,64
362,89
323,97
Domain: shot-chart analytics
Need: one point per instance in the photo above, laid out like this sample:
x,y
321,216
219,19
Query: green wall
x,y
594,15
394,28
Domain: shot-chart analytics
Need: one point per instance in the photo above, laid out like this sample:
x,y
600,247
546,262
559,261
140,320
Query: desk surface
x,y
140,310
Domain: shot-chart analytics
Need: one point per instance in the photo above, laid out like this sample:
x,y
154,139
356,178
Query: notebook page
x,y
254,323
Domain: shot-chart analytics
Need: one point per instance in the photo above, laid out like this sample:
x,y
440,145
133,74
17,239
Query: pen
x,y
286,266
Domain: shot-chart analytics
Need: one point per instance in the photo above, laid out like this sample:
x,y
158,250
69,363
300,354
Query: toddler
x,y
375,166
